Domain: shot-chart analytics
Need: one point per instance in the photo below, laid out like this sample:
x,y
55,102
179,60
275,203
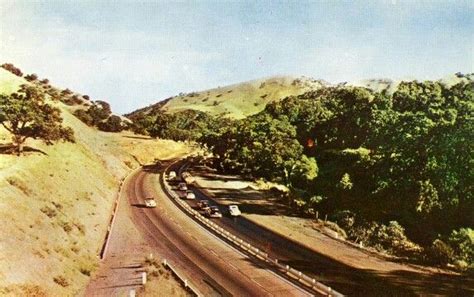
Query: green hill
x,y
235,101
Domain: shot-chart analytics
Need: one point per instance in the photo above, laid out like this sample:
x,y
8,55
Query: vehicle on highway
x,y
213,212
234,211
172,175
203,204
190,195
150,202
188,178
182,187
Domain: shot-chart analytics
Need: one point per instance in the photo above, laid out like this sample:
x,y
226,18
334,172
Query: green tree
x,y
25,114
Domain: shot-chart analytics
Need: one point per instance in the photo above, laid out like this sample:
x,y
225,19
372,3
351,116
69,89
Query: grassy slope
x,y
54,207
239,100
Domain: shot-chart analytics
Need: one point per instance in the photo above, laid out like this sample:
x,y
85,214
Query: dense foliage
x,y
403,158
100,115
26,114
394,170
180,126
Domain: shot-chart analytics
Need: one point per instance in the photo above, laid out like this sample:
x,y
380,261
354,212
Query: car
x,y
213,212
172,175
190,195
234,211
150,202
182,187
203,204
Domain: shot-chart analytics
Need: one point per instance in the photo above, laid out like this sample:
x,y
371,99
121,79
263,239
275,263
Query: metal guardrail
x,y
304,279
188,286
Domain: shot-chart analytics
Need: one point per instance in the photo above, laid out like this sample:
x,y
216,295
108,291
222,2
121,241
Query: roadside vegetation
x,y
393,169
56,199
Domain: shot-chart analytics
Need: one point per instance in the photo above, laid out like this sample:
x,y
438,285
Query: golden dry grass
x,y
55,204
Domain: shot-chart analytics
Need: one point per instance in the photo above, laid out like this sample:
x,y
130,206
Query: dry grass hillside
x,y
236,101
55,203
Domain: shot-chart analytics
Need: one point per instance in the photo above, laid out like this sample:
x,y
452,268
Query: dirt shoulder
x,y
264,208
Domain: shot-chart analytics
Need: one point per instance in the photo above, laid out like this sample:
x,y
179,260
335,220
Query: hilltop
x,y
390,86
235,101
56,202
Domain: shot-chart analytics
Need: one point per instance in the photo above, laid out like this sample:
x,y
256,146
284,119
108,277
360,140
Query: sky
x,y
135,53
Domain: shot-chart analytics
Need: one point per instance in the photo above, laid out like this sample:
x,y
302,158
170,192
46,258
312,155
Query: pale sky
x,y
134,54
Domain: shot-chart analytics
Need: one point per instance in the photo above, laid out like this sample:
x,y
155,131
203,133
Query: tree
x,y
31,77
10,67
113,124
25,114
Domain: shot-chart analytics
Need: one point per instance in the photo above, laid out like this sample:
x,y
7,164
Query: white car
x,y
234,210
150,202
190,195
172,175
182,187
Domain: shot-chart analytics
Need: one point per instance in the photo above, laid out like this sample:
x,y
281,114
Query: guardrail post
x,y
132,293
287,268
165,263
299,275
276,261
185,283
143,278
313,282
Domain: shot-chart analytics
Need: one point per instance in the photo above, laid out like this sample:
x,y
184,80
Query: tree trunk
x,y
18,142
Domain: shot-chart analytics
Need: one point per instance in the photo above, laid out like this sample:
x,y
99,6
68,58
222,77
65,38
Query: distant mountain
x,y
390,86
234,101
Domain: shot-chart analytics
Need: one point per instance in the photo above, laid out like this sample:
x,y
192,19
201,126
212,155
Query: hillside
x,y
235,101
56,202
389,85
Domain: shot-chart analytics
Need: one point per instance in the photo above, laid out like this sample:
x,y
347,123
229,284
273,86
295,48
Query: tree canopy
x,y
26,114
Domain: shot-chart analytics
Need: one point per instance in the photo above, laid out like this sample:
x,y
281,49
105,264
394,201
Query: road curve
x,y
214,268
346,279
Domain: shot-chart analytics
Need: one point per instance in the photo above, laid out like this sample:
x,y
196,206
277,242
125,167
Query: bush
x,y
84,116
440,253
61,280
86,97
389,238
48,211
462,243
11,68
31,77
113,124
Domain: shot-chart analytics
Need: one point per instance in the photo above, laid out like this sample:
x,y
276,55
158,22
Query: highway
x,y
212,266
345,279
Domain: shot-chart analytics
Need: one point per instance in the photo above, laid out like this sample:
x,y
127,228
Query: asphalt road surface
x,y
212,266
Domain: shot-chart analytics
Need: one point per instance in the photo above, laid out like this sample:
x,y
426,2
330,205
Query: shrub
x,y
84,116
11,68
61,280
66,92
440,253
86,97
44,81
99,112
462,242
215,103
31,77
113,124
48,211
218,95
66,226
